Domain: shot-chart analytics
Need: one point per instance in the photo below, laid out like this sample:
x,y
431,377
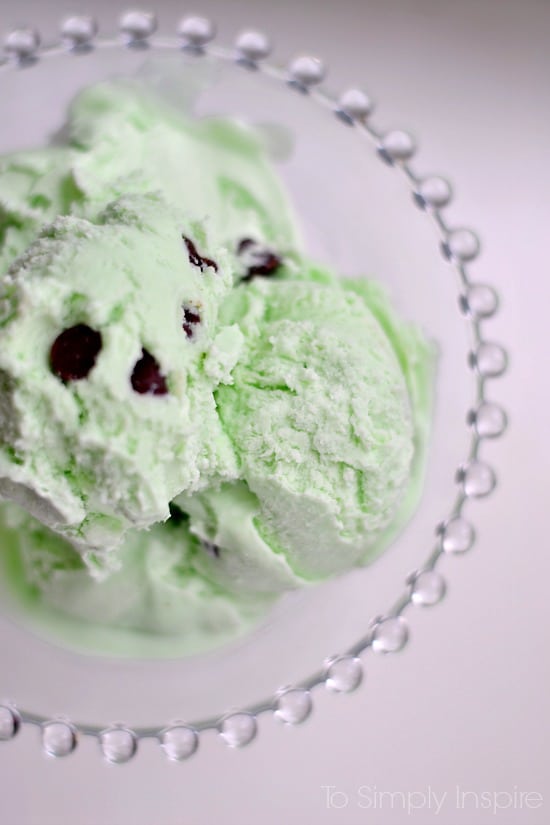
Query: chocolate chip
x,y
211,549
196,259
257,259
191,319
73,353
244,244
270,263
147,377
177,515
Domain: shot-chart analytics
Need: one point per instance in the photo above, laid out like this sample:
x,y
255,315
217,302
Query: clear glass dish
x,y
365,209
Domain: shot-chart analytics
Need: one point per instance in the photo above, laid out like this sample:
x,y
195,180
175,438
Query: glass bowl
x,y
366,210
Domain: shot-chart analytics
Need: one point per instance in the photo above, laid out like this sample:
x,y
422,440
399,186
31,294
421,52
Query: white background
x,y
467,703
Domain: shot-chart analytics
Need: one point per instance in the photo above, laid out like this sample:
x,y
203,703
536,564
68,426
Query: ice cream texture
x,y
194,416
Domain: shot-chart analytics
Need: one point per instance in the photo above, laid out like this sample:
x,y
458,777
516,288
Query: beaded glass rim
x,y
487,360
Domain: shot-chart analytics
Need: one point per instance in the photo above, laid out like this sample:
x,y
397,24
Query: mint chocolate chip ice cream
x,y
194,417
108,401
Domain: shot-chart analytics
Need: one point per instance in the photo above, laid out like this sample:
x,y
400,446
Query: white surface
x,y
466,704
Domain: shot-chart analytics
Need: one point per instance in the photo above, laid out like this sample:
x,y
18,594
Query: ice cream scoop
x,y
215,170
107,363
123,140
120,248
156,603
327,412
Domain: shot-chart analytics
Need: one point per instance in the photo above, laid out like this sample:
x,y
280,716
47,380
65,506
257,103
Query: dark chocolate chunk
x,y
177,515
257,259
73,353
191,319
196,258
211,549
268,265
244,244
147,377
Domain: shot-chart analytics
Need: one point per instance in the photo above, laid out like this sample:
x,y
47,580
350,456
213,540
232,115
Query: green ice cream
x,y
156,602
195,417
95,456
328,414
125,142
136,186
